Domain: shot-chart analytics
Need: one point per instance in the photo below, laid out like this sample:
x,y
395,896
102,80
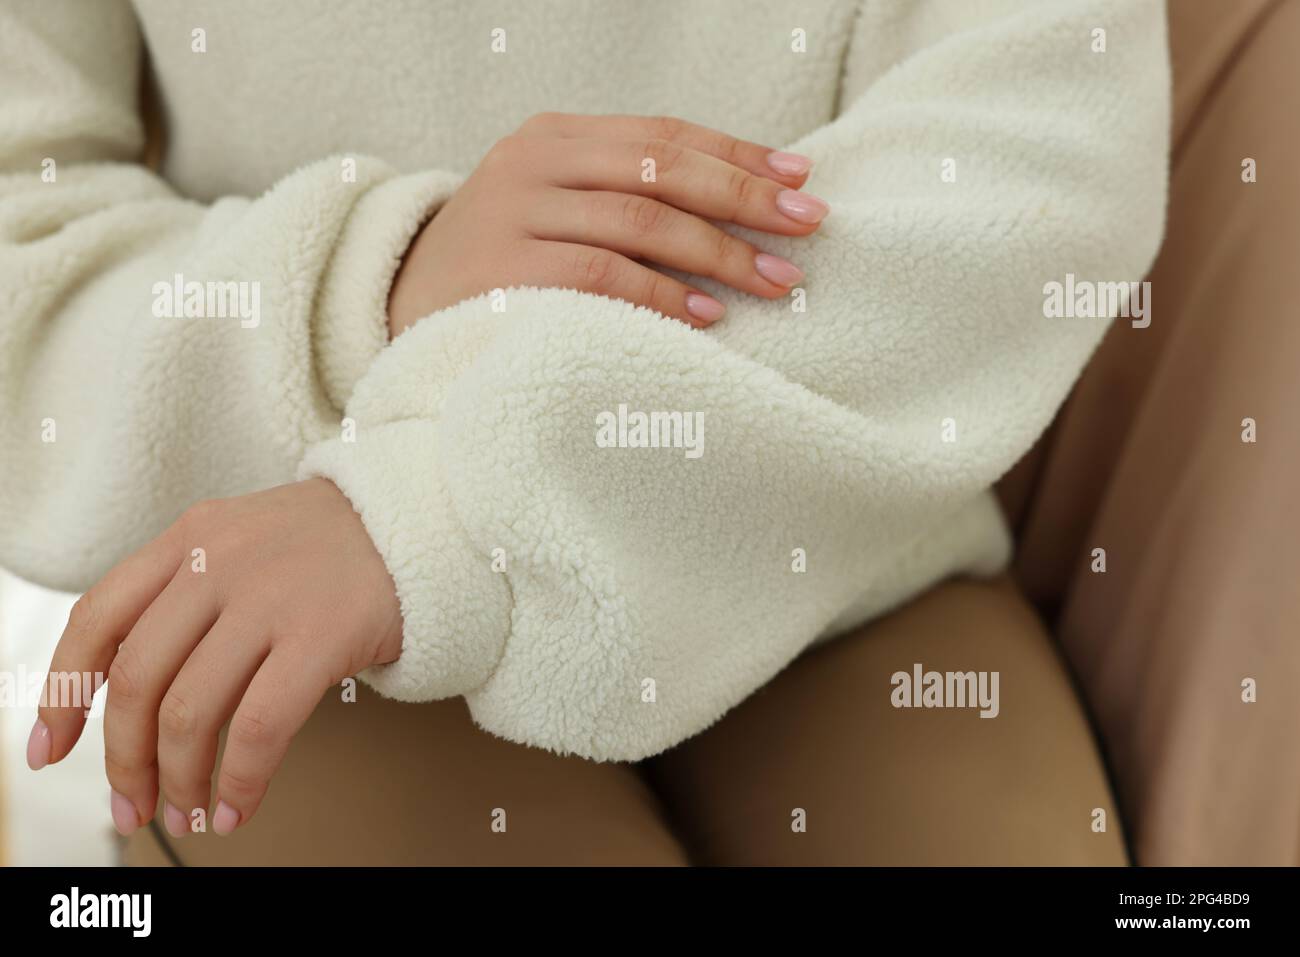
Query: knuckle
x,y
743,189
727,248
658,292
226,534
666,154
238,784
253,728
230,538
84,617
118,769
504,152
201,513
540,122
643,216
199,526
594,269
730,149
356,662
668,127
176,719
126,674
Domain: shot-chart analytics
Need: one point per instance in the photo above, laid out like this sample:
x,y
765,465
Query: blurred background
x,y
59,816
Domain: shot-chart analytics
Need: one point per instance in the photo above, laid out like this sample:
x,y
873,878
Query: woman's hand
x,y
573,201
287,598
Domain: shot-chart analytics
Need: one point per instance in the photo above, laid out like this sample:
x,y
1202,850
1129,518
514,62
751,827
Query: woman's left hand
x,y
245,610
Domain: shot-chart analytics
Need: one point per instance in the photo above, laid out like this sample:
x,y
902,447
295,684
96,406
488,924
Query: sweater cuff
x,y
351,317
456,610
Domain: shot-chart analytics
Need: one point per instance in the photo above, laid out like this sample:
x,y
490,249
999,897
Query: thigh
x,y
879,784
378,782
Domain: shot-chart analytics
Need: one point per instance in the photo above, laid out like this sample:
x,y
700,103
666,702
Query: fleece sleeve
x,y
590,595
121,402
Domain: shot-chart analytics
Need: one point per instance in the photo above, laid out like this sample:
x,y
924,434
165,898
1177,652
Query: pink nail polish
x,y
177,823
789,164
776,270
38,746
704,308
225,820
125,818
802,207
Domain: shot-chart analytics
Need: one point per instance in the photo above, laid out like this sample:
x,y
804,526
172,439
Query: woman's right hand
x,y
565,202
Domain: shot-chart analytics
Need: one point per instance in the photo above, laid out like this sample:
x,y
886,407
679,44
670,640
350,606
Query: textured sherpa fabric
x,y
603,601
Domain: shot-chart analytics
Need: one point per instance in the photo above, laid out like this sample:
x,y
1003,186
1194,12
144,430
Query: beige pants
x,y
818,768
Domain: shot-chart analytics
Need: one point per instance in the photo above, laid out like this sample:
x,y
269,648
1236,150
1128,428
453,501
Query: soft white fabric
x,y
603,601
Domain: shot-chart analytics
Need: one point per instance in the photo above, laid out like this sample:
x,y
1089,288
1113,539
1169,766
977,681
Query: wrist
x,y
405,296
350,323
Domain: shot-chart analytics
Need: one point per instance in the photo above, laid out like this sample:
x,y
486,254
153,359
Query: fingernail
x,y
177,824
225,820
38,746
704,308
789,164
802,207
125,818
777,270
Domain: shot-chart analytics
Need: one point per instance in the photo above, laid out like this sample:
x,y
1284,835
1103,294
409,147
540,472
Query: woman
x,y
209,428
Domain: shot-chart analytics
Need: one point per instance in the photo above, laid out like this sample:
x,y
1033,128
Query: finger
x,y
99,621
607,273
789,169
144,668
642,228
278,702
682,177
198,704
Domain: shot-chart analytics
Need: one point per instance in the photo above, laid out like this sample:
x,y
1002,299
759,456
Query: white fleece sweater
x,y
603,601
